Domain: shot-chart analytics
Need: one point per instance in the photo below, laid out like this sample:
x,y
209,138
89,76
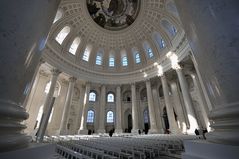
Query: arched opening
x,y
110,121
130,125
165,118
146,121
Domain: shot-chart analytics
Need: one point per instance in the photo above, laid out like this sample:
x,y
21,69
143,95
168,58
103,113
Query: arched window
x,y
58,16
86,54
169,28
110,117
159,41
111,61
124,61
148,50
110,97
146,116
74,45
137,58
62,34
98,60
90,116
136,55
92,97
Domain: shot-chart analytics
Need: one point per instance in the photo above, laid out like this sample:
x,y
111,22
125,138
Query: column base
x,y
118,131
62,132
153,131
11,117
83,132
135,131
202,149
101,131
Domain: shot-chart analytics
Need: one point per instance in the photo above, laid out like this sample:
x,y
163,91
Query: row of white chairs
x,y
122,146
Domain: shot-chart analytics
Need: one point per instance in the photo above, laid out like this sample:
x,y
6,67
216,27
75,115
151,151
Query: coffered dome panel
x,y
155,23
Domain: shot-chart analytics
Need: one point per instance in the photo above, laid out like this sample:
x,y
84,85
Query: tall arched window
x,y
110,97
169,28
90,116
136,55
124,61
148,50
146,116
159,41
86,54
110,117
111,61
92,96
62,34
137,58
74,45
98,60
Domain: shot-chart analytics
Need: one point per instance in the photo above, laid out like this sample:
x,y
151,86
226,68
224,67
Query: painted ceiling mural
x,y
113,14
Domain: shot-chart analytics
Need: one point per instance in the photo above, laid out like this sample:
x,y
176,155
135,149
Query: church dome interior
x,y
128,79
77,41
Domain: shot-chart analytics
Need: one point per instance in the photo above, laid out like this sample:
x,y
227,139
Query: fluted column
x,y
156,100
23,35
80,109
202,102
102,110
47,106
187,101
153,125
212,30
172,122
135,117
178,107
118,111
83,128
65,116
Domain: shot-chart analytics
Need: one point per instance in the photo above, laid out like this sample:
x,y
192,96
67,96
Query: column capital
x,y
118,87
72,79
132,83
148,82
55,72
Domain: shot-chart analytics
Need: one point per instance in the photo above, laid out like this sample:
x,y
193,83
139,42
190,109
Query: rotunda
x,y
95,66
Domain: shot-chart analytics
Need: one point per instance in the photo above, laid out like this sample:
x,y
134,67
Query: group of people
x,y
201,132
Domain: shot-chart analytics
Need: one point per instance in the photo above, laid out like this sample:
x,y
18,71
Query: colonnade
x,y
185,120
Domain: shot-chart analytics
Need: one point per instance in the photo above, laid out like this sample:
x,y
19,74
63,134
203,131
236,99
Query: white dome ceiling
x,y
157,27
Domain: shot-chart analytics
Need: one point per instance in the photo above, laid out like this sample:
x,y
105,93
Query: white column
x,y
212,31
33,84
202,102
65,116
80,109
153,124
102,110
118,111
178,107
83,128
134,110
171,119
23,33
47,106
187,101
156,100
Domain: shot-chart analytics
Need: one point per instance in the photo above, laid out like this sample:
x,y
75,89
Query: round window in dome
x,y
113,14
